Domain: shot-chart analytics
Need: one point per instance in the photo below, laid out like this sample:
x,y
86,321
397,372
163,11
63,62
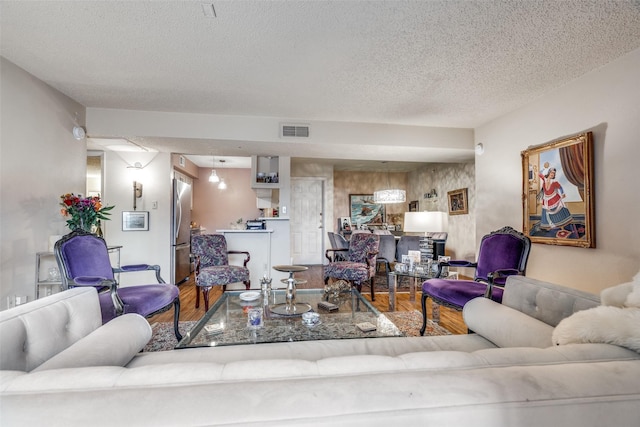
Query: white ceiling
x,y
426,63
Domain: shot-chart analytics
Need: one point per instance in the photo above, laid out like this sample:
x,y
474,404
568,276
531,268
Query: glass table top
x,y
226,321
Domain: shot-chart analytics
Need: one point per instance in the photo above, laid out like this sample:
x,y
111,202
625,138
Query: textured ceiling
x,y
429,63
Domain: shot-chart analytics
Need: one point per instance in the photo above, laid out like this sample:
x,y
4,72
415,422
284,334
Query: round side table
x,y
290,307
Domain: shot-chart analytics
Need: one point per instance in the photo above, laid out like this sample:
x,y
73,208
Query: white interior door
x,y
306,220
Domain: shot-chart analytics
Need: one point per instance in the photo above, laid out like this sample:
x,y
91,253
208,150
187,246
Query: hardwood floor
x,y
449,319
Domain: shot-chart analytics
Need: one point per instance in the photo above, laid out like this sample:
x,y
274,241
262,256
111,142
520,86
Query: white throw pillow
x,y
603,324
633,299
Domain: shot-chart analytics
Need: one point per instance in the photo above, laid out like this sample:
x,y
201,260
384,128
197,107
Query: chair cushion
x,y
144,300
222,275
458,292
356,272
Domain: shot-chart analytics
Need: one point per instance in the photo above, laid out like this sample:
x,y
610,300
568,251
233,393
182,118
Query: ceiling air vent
x,y
295,131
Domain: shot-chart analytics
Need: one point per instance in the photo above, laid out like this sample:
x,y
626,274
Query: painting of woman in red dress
x,y
554,212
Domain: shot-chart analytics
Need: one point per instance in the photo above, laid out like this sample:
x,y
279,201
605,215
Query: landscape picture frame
x,y
458,202
135,221
558,192
363,210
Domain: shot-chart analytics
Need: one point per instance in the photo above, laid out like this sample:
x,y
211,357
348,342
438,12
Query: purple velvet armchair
x,y
360,261
212,265
502,253
83,260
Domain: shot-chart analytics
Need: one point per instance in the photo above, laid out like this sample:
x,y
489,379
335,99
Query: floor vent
x,y
294,131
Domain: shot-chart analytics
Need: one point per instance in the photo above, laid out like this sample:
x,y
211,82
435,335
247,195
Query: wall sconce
x,y
479,149
137,186
137,192
431,194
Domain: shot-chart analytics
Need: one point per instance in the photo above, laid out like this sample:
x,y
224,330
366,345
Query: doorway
x,y
307,220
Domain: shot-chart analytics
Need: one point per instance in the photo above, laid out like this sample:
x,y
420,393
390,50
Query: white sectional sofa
x,y
60,367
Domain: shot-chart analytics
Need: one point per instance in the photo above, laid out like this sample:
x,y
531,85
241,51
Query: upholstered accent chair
x,y
502,253
212,265
83,260
359,265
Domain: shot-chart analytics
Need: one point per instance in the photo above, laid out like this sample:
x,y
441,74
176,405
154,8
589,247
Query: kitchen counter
x,y
266,248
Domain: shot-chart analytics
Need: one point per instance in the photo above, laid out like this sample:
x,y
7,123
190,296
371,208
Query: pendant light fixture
x,y
390,195
214,176
222,185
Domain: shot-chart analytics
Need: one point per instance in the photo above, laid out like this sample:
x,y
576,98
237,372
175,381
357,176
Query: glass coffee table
x,y
414,278
226,322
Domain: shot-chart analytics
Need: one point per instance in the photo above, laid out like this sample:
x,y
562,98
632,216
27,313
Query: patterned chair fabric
x,y
83,260
360,263
212,265
502,253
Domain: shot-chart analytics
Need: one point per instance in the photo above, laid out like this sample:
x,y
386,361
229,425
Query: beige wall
x,y
346,183
39,161
606,101
216,209
461,241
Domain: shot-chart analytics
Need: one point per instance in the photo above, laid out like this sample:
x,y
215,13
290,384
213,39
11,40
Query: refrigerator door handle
x,y
178,217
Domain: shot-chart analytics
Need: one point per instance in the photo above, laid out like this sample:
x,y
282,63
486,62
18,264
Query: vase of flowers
x,y
83,213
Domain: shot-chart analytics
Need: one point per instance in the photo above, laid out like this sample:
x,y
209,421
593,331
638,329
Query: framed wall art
x,y
135,221
363,210
458,202
557,194
344,223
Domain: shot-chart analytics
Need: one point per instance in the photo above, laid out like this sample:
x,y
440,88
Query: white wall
x,y
39,161
607,102
140,247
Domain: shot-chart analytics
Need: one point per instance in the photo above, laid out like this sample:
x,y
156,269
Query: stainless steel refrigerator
x,y
181,232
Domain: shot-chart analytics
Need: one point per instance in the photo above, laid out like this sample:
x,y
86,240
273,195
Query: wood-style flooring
x,y
449,319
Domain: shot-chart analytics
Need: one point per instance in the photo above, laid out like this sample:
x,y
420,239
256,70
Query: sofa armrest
x,y
504,326
113,344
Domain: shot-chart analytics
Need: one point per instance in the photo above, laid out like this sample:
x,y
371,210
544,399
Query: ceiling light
x,y
214,176
390,196
221,185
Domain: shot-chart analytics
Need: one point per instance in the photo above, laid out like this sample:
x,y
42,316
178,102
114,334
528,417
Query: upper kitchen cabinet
x,y
270,171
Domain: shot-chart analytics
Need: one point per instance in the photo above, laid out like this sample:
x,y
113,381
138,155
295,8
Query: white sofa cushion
x,y
504,326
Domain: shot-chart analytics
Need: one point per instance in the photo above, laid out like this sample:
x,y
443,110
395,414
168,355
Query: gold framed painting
x,y
558,199
458,204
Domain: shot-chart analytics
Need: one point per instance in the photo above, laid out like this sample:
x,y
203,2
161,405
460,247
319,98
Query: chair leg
x,y
247,284
373,294
424,314
205,296
197,296
176,318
